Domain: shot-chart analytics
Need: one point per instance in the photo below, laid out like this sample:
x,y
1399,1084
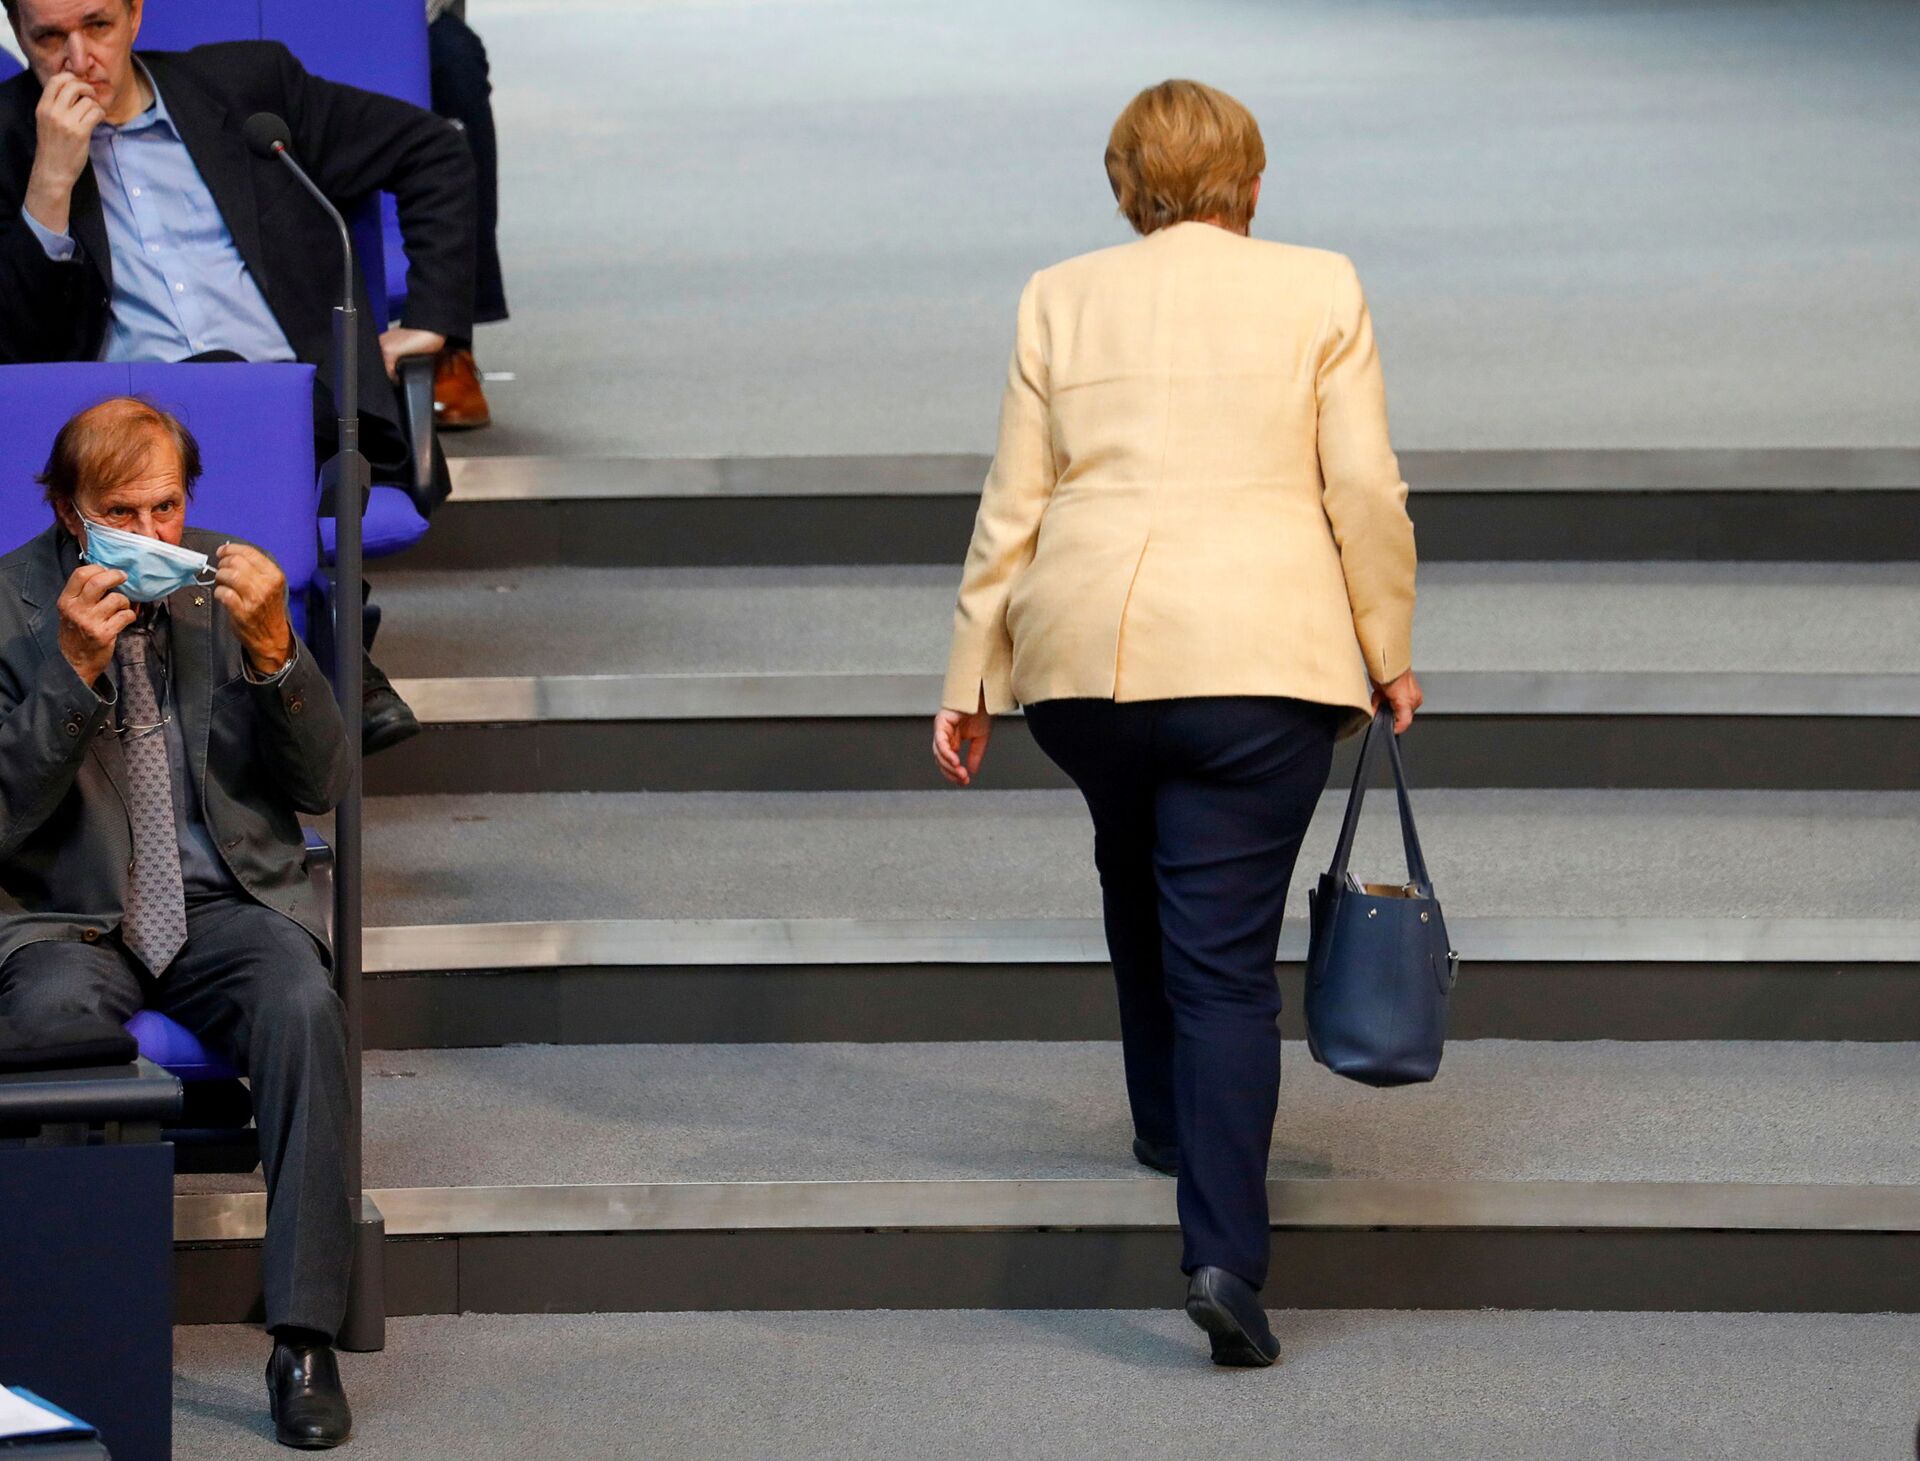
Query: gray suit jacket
x,y
260,755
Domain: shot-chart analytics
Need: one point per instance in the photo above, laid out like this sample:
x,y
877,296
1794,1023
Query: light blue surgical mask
x,y
154,569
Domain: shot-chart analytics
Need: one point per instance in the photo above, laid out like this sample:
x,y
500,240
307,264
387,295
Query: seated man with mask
x,y
161,728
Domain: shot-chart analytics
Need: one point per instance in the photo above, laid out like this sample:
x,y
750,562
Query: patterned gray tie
x,y
155,925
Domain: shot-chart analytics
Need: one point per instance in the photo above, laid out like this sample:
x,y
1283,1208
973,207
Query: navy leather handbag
x,y
1379,967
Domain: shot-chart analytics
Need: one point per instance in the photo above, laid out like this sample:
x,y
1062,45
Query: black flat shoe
x,y
1160,1158
303,1393
1228,1308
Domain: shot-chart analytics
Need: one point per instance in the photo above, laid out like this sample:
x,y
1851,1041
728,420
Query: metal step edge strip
x,y
512,699
731,943
1782,469
1102,1203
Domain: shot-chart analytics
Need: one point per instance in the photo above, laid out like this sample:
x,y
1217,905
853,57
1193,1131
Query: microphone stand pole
x,y
344,494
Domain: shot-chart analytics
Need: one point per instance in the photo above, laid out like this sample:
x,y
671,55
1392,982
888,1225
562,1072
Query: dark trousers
x,y
384,445
463,93
252,985
1198,809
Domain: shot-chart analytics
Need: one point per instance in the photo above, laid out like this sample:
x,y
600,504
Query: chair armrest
x,y
319,854
320,874
319,636
416,407
137,1092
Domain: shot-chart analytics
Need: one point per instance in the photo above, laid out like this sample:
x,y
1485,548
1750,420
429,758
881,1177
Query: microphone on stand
x,y
347,475
345,478
268,136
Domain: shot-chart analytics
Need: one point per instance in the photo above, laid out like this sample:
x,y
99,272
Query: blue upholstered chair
x,y
255,427
9,67
377,45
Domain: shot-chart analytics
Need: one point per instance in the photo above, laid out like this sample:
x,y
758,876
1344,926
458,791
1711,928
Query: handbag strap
x,y
1381,730
1343,848
1409,836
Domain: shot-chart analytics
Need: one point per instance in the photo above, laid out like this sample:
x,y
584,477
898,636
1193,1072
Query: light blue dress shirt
x,y
180,287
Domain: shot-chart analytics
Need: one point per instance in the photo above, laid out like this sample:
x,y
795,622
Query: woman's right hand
x,y
1404,695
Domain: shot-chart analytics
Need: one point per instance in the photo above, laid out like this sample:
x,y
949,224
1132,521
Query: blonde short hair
x,y
1182,151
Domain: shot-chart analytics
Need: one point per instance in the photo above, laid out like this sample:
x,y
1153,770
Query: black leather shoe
x,y
1228,1308
385,719
303,1392
1160,1158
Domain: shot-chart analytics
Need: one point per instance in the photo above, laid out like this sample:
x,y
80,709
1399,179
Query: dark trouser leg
x,y
384,444
1104,748
252,985
58,979
381,443
385,718
463,92
1239,779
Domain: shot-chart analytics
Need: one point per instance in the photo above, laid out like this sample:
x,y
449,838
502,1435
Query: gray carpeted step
x,y
1694,1176
946,916
1792,676
1501,1111
1066,1385
1726,505
1559,617
1010,855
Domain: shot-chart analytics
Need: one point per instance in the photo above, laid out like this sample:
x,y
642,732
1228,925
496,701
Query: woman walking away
x,y
1193,567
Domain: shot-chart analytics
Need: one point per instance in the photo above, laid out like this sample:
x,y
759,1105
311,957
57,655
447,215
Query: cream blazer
x,y
1193,493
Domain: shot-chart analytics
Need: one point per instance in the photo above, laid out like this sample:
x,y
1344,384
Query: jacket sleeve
x,y
1365,499
47,723
301,737
980,663
48,309
358,142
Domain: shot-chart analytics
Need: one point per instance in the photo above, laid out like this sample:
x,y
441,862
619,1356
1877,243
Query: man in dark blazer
x,y
156,747
135,224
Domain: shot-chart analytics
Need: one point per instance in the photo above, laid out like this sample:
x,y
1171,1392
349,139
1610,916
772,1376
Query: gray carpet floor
x,y
803,227
1769,617
1500,1110
1092,1386
1005,854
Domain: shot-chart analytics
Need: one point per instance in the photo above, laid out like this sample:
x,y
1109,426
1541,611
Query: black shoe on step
x,y
303,1393
1228,1308
1161,1158
385,719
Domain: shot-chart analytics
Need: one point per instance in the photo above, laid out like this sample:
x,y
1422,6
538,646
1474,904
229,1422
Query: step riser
x,y
1861,527
885,754
807,1003
580,1273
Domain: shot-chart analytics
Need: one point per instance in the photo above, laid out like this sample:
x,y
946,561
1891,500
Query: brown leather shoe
x,y
458,402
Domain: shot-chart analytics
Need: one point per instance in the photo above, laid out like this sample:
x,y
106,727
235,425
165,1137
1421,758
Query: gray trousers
x,y
252,985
